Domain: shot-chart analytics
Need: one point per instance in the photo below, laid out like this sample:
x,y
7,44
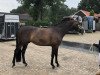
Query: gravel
x,y
73,61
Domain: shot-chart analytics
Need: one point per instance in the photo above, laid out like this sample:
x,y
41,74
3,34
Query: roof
x,y
25,17
98,15
3,13
21,16
8,13
85,13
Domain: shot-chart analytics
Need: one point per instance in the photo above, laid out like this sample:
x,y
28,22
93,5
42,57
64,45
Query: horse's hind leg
x,y
16,51
23,54
14,59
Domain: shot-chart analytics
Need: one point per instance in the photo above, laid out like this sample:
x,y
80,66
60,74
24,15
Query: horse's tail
x,y
17,50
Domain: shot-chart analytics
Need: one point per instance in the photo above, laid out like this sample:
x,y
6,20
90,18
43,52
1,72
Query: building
x,y
9,24
85,14
23,18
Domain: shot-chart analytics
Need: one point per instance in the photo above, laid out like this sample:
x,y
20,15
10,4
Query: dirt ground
x,y
88,38
73,61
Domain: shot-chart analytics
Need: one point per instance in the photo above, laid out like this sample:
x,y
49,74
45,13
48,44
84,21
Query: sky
x,y
72,3
8,5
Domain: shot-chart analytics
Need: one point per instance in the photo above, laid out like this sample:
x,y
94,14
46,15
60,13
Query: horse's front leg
x,y
52,57
17,55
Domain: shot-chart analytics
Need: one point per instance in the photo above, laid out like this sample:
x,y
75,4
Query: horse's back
x,y
42,36
39,36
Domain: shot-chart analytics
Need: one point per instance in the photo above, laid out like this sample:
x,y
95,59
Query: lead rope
x,y
91,48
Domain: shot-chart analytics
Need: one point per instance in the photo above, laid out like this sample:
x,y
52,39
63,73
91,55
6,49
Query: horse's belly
x,y
42,42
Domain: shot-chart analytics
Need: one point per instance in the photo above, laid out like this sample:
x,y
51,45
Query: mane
x,y
65,23
64,20
64,26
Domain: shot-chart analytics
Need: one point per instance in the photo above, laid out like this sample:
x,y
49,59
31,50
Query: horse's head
x,y
73,25
77,27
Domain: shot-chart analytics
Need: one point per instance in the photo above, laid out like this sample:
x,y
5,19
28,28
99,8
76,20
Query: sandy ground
x,y
73,61
88,38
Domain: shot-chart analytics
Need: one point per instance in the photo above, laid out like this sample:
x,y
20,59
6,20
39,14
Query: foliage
x,y
29,22
90,5
38,23
44,11
92,13
20,10
37,8
41,23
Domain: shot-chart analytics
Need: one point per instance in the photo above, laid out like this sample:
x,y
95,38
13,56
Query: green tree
x,y
45,11
20,10
36,7
92,13
90,5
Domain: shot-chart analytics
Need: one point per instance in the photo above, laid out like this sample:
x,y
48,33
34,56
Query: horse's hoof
x,y
13,65
99,66
53,67
58,65
25,64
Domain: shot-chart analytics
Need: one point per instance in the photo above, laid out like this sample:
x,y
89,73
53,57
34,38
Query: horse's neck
x,y
63,29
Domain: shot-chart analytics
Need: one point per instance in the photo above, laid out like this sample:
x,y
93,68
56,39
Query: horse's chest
x,y
56,40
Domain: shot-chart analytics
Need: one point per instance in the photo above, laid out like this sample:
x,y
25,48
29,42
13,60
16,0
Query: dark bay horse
x,y
51,36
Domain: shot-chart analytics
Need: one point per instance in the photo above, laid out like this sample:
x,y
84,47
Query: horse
x,y
98,46
51,36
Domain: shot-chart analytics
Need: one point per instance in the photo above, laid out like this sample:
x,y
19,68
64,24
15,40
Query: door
x,y
12,32
11,29
7,30
16,27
